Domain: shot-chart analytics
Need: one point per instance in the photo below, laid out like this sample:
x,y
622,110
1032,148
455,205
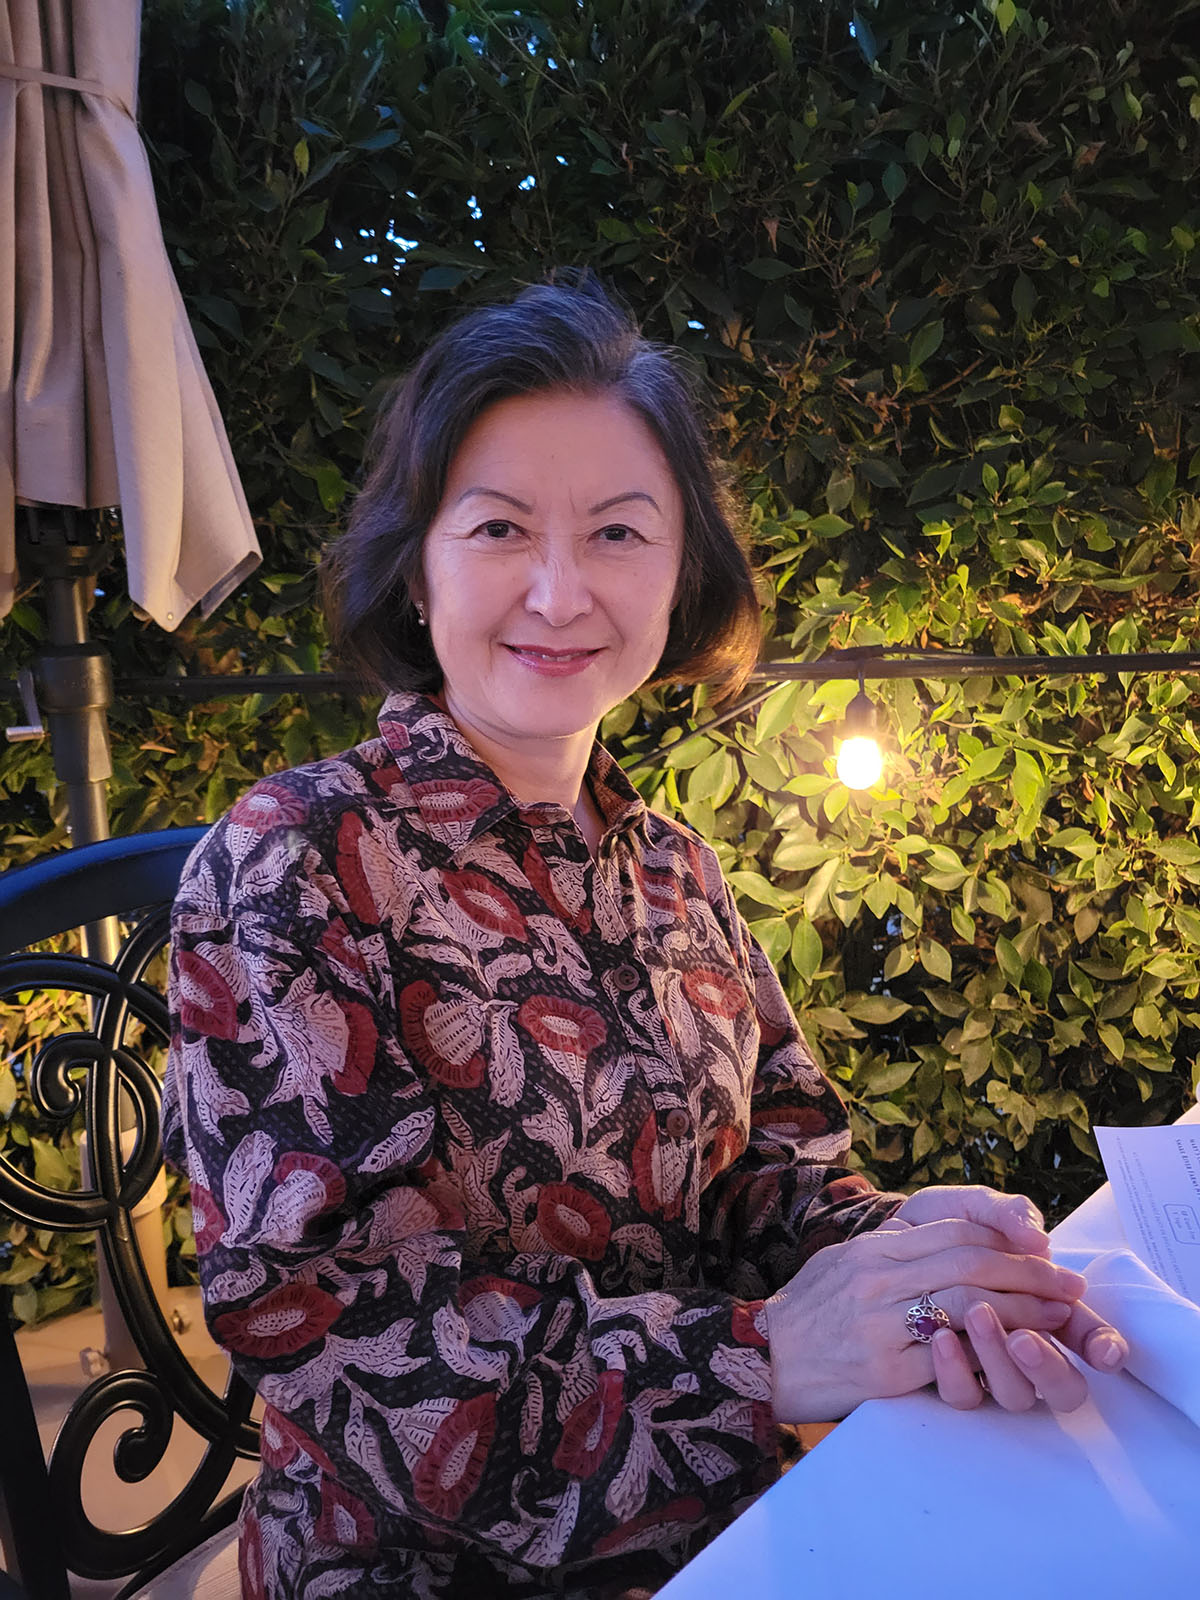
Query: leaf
x,y
1027,780
441,278
1179,851
875,1007
755,887
797,853
775,936
819,886
828,526
1024,297
1113,1040
887,1079
935,958
894,181
807,950
926,342
778,710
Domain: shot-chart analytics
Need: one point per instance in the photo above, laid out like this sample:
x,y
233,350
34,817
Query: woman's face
x,y
550,569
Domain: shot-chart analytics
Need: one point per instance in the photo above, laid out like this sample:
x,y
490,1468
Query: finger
x,y
1013,1310
1011,1215
1009,1386
972,1266
956,1381
927,1238
1062,1386
1096,1341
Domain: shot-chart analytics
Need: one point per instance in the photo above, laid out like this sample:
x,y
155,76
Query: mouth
x,y
555,662
541,653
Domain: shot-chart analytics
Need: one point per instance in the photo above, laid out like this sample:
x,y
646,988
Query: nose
x,y
559,591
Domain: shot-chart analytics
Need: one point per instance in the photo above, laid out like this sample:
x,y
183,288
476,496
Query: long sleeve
x,y
786,1193
470,1379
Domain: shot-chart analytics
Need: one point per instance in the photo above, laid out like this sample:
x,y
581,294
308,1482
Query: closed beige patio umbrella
x,y
103,398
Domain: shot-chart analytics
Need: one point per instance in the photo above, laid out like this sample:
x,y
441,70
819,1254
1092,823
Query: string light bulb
x,y
859,758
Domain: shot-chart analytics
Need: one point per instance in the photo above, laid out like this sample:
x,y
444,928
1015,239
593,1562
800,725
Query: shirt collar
x,y
458,795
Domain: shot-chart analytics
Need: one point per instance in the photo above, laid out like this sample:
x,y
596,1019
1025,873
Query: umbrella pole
x,y
73,676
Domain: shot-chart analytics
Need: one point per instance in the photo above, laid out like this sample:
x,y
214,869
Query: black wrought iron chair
x,y
47,1534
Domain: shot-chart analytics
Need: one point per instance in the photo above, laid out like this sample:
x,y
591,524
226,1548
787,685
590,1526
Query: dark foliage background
x,y
938,267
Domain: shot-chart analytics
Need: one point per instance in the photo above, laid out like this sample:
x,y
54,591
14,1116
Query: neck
x,y
532,770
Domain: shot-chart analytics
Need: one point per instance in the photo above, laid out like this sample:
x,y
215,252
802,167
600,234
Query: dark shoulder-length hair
x,y
552,336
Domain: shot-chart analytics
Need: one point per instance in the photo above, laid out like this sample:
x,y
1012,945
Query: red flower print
x,y
485,903
534,866
317,1184
590,1427
648,1173
268,805
282,1442
395,732
727,1145
344,1521
662,891
250,1558
282,1322
764,1427
362,1039
341,948
848,1187
792,1122
572,1221
448,1474
415,1001
206,1002
562,1025
387,778
494,1307
489,1283
770,1033
683,1511
208,1223
350,871
460,800
742,1323
715,992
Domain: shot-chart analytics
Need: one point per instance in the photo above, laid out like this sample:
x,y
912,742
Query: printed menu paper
x,y
1155,1177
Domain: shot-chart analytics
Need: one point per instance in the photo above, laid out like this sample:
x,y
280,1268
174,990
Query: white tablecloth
x,y
908,1497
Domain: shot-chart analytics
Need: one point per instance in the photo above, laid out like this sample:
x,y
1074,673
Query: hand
x,y
1020,1222
1019,1366
837,1329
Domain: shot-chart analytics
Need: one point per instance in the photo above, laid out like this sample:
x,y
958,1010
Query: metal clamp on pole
x,y
32,727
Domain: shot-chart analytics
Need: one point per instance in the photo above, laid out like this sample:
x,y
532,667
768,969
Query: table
x,y
909,1497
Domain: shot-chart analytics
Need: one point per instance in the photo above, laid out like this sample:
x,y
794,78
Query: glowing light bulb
x,y
859,763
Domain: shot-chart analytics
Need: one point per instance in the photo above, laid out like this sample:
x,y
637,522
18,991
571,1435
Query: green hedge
x,y
940,274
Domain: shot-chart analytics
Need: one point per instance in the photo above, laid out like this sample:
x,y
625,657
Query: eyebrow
x,y
603,505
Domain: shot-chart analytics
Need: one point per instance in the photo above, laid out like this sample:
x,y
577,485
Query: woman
x,y
518,1195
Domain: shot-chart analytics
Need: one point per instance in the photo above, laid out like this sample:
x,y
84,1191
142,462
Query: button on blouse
x,y
490,1172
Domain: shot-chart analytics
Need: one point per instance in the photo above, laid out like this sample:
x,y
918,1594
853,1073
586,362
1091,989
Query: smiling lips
x,y
552,663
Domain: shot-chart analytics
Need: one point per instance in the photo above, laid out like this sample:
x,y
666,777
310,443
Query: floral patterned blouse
x,y
495,1150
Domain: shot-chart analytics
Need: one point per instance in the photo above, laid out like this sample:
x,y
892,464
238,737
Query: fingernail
x,y
1075,1283
1108,1349
1026,1349
979,1320
1061,1312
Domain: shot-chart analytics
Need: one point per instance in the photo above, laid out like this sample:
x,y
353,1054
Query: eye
x,y
497,531
618,533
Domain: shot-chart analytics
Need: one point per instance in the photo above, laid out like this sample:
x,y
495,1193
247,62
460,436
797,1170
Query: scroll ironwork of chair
x,y
45,1532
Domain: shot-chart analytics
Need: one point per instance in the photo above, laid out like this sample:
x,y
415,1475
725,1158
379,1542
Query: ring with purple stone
x,y
924,1319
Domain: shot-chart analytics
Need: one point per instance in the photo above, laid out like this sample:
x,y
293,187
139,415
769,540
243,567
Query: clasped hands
x,y
838,1334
